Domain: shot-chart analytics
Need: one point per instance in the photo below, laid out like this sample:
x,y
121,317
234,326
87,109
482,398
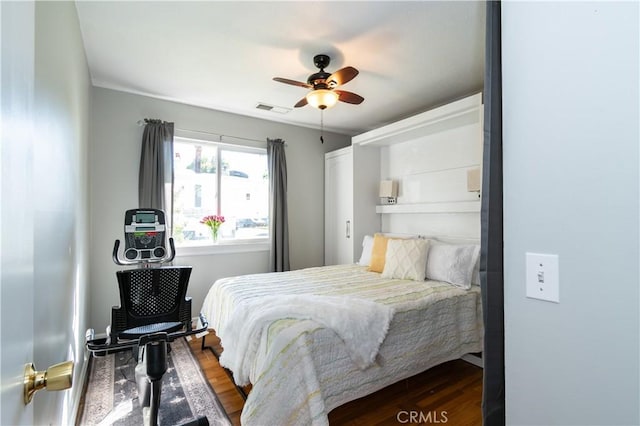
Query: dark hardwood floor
x,y
450,393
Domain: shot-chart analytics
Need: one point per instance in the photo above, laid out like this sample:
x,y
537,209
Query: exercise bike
x,y
141,323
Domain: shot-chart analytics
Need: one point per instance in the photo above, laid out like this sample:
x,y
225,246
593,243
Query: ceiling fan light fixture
x,y
322,98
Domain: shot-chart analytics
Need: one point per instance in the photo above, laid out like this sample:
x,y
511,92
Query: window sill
x,y
222,247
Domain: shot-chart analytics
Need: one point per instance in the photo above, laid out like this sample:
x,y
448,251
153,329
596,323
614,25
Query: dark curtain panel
x,y
155,182
491,259
278,218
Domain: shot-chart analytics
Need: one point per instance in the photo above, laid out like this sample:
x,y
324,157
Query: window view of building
x,y
218,179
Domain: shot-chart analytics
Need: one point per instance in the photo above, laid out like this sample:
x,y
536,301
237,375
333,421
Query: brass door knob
x,y
56,377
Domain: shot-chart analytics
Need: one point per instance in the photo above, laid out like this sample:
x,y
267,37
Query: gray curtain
x,y
278,218
155,182
491,254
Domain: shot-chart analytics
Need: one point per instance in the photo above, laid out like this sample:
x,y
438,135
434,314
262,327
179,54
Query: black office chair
x,y
151,300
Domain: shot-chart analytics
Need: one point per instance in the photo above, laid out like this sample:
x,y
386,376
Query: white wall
x,y
114,161
431,169
571,187
62,104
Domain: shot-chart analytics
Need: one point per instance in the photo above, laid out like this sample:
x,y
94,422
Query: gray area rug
x,y
112,395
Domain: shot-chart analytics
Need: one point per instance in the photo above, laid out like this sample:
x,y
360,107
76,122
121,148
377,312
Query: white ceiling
x,y
412,56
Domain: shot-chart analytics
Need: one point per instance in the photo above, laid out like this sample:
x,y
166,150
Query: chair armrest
x,y
118,322
185,313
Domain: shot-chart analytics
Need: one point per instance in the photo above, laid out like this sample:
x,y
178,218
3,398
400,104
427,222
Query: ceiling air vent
x,y
272,108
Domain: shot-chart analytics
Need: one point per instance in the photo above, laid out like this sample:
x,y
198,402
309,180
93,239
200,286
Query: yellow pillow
x,y
378,253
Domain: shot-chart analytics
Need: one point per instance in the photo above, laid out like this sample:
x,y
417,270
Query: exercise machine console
x,y
145,238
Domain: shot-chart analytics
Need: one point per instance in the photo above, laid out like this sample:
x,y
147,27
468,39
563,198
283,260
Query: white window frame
x,y
234,144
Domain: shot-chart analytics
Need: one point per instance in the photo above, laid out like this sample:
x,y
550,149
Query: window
x,y
218,179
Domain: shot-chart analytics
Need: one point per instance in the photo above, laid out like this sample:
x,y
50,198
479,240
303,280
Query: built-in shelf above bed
x,y
438,207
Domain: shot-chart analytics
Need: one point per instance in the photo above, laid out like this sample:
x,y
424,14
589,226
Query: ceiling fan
x,y
324,94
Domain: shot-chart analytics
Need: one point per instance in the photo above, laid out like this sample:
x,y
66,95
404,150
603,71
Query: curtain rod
x,y
220,136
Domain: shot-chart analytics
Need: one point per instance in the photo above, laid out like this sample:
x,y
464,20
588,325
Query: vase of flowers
x,y
213,222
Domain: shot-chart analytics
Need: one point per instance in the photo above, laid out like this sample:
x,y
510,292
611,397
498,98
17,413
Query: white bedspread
x,y
301,368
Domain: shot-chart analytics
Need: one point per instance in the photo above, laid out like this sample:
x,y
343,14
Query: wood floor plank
x,y
450,393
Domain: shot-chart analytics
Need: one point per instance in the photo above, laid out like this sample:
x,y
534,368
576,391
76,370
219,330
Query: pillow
x,y
367,246
475,279
406,259
378,253
452,263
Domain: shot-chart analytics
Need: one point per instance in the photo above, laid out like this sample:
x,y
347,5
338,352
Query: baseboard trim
x,y
473,359
76,406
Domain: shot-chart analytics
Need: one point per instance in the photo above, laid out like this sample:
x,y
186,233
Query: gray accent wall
x,y
571,188
114,161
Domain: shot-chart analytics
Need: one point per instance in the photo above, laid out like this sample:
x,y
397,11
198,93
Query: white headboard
x,y
442,238
429,156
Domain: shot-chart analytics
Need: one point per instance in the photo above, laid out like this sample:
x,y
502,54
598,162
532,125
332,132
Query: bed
x,y
313,339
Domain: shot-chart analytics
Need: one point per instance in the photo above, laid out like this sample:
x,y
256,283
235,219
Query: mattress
x,y
302,369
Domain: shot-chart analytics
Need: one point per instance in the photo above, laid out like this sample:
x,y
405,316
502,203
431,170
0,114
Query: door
x,y
17,22
339,207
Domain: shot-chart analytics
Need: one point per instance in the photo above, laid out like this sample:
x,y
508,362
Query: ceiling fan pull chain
x,y
321,125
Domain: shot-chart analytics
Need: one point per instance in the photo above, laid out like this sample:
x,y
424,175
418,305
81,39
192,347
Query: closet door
x,y
338,205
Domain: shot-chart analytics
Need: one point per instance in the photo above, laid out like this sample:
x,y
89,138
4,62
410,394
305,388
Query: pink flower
x,y
213,221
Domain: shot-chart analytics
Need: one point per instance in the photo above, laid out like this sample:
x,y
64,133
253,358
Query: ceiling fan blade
x,y
342,76
302,102
293,82
348,97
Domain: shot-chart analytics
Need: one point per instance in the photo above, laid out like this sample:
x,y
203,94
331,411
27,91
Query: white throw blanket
x,y
361,324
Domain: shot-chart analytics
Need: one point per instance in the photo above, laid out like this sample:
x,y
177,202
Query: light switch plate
x,y
543,277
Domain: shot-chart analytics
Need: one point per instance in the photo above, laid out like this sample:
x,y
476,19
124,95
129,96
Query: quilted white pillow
x,y
452,263
406,259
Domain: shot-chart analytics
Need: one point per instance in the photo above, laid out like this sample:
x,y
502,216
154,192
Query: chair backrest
x,y
153,295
